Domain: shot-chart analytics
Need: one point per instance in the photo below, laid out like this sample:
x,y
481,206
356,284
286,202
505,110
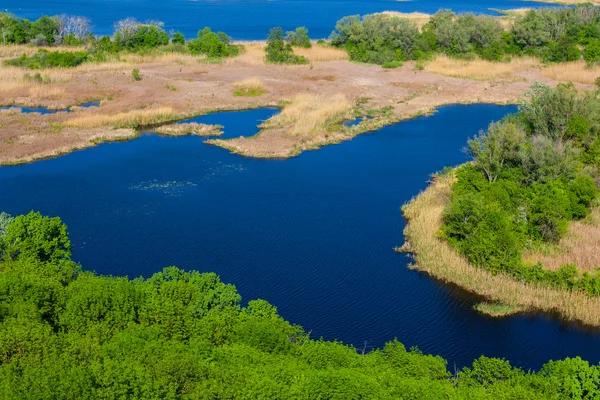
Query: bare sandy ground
x,y
187,87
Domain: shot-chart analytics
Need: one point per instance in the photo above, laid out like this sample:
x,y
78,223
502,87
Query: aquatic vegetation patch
x,y
168,188
190,128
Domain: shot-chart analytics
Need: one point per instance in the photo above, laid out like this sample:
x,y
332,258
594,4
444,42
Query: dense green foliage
x,y
377,38
554,34
299,38
533,172
70,334
44,31
50,59
212,44
280,52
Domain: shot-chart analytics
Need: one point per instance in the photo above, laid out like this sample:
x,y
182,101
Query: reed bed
x,y
579,246
192,128
480,70
15,80
167,58
437,258
312,115
16,50
249,87
253,54
577,71
322,53
127,119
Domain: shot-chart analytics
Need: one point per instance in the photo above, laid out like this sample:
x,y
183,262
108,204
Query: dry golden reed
x,y
436,257
480,70
127,119
191,128
311,115
576,71
322,53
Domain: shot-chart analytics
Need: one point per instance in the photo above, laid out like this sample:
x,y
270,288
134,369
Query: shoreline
x,y
503,295
176,87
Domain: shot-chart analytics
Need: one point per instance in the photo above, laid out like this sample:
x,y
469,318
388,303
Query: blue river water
x,y
242,19
313,235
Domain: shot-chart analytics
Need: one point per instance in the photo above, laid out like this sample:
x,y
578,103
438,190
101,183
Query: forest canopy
x,y
71,334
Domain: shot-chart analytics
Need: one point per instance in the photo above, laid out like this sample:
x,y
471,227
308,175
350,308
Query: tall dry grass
x,y
579,246
15,82
437,258
253,54
252,86
16,50
311,115
322,53
127,119
480,70
164,58
576,71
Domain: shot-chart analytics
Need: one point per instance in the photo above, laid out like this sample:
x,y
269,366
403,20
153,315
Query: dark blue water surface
x,y
241,19
313,234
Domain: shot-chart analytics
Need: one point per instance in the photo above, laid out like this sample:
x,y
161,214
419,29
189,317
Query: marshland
x,y
281,166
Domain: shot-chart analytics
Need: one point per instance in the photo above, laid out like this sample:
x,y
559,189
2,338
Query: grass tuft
x,y
249,87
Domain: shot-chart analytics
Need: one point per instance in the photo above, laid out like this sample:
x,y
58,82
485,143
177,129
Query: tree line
x,y
71,334
551,34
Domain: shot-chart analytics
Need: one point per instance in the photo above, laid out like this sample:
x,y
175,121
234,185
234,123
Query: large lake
x,y
242,19
313,235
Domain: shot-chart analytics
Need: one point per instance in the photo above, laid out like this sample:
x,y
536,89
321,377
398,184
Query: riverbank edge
x,y
346,133
503,295
123,135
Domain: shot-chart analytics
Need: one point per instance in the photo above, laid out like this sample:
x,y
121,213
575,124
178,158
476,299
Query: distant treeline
x,y
552,34
69,334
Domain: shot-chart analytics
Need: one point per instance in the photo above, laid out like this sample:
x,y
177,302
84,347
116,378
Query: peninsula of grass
x,y
190,128
531,184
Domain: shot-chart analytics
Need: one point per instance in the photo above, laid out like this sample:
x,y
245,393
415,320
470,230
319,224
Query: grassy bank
x,y
436,257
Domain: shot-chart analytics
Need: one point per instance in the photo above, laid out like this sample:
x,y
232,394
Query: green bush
x,y
136,75
280,52
213,45
299,38
178,38
50,59
392,64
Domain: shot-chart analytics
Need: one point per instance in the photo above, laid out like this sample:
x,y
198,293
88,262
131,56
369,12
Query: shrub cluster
x,y
554,34
280,52
532,173
65,333
212,44
46,31
50,59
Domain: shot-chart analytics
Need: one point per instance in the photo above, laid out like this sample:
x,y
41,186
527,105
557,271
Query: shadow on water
x,y
313,235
